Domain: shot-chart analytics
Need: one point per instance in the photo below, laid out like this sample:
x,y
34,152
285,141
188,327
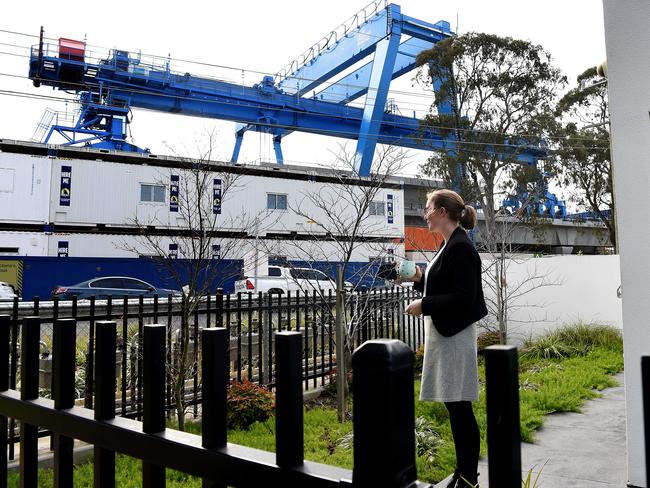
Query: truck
x,y
281,279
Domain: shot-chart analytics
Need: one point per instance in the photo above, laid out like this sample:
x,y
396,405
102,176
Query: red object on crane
x,y
71,49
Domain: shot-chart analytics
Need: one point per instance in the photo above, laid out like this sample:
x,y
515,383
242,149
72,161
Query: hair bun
x,y
468,217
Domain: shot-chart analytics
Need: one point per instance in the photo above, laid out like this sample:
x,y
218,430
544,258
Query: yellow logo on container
x,y
12,272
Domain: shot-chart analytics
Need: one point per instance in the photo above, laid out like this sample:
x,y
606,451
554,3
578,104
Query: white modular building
x,y
64,201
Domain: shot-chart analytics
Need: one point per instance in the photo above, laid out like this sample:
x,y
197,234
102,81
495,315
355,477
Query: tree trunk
x,y
182,369
503,299
341,348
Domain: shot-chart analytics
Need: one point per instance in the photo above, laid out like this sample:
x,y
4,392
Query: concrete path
x,y
581,450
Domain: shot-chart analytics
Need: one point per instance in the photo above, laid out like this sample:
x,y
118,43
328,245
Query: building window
x,y
276,201
152,193
377,208
277,260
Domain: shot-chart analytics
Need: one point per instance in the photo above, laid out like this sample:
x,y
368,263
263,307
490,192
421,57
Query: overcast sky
x,y
260,36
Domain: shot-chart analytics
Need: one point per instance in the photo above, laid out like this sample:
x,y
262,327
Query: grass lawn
x,y
558,373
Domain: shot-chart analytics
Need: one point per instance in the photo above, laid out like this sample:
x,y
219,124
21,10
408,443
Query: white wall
x,y
627,40
28,243
115,245
575,288
25,187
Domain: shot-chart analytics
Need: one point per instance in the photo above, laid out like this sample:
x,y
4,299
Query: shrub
x,y
547,347
427,439
248,403
573,340
330,387
591,336
488,338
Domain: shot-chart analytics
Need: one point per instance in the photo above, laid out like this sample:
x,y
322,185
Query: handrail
x,y
324,43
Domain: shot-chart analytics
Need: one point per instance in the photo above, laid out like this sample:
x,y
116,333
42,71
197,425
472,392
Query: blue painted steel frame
x,y
380,77
121,81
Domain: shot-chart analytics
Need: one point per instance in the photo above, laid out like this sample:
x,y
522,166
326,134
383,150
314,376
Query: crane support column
x,y
380,78
278,149
239,138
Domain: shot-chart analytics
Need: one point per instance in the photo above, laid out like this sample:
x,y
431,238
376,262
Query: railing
x,y
354,22
251,321
383,413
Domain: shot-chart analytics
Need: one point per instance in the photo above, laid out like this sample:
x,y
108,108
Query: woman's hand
x,y
418,274
414,308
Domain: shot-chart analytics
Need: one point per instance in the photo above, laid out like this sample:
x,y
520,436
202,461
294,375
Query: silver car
x,y
7,291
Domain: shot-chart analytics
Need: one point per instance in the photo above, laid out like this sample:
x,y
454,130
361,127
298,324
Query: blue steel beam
x,y
338,57
355,84
373,111
278,149
355,46
239,138
164,91
424,30
123,81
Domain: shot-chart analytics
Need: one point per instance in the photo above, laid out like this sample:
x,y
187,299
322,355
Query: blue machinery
x,y
293,100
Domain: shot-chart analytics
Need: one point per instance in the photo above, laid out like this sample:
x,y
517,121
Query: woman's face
x,y
433,216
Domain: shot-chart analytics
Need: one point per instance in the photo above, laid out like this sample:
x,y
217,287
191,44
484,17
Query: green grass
x,y
548,384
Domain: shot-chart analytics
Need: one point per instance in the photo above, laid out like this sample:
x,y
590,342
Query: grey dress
x,y
450,370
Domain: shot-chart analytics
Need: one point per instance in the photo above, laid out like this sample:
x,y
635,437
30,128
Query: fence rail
x,y
250,320
385,453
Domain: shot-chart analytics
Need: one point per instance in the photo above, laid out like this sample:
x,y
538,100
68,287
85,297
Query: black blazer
x,y
454,295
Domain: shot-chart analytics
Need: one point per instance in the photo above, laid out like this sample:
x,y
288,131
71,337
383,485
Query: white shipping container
x,y
112,193
24,188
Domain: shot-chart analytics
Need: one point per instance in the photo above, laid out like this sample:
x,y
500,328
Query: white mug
x,y
407,269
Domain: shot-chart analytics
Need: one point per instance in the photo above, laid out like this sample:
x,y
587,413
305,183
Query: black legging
x,y
466,438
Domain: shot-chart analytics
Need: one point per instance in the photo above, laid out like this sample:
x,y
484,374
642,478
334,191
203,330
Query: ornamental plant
x,y
248,403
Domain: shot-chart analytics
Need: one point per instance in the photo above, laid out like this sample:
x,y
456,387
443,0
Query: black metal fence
x,y
250,321
383,414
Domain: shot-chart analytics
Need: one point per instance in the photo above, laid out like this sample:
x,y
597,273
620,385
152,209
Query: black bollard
x,y
153,395
502,401
5,327
645,382
289,436
384,415
63,393
104,459
29,350
215,376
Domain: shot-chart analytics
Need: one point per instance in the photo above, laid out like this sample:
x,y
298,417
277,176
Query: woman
x,y
452,302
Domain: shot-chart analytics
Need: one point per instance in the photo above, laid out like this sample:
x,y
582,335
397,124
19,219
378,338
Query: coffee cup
x,y
407,269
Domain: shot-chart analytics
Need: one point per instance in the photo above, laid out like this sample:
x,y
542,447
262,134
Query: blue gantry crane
x,y
298,98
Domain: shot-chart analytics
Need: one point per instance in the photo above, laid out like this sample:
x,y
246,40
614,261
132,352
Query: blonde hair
x,y
455,206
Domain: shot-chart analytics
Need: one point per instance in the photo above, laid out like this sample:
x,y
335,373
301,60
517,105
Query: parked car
x,y
115,286
7,291
281,279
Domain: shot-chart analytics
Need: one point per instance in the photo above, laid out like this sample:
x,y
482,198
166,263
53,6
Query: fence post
x,y
29,349
105,342
502,401
262,335
5,327
384,414
289,436
218,308
13,369
153,396
645,382
63,393
90,357
215,375
341,374
364,313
